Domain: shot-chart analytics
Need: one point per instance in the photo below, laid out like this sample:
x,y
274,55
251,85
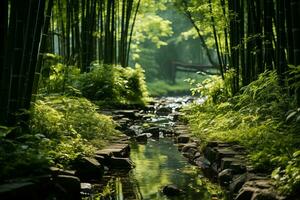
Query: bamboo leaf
x,y
291,115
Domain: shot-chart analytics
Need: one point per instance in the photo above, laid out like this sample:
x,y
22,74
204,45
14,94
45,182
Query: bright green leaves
x,y
288,178
201,14
104,83
150,27
71,126
255,118
114,85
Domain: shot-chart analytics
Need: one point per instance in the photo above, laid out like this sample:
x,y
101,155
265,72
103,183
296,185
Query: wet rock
x,y
153,102
180,146
202,162
225,152
237,183
264,195
88,168
163,111
131,114
233,163
146,117
166,131
257,190
153,130
130,132
183,139
120,163
101,159
150,108
142,137
57,171
188,146
190,153
197,155
106,154
19,190
171,190
246,194
210,153
123,124
225,177
66,187
237,167
212,144
117,150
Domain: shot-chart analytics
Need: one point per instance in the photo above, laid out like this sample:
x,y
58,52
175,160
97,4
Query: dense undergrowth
x,y
64,119
262,118
105,85
61,129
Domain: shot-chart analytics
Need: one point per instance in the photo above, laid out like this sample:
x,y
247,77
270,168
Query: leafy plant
x,y
288,178
114,84
61,129
214,88
257,119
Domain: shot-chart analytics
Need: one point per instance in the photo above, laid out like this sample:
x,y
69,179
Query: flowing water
x,y
158,163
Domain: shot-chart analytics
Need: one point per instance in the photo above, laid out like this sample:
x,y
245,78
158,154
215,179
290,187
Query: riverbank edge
x,y
226,164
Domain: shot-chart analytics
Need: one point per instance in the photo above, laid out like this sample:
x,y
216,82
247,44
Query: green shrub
x,y
257,118
104,84
61,129
71,119
60,80
288,178
214,88
115,85
20,155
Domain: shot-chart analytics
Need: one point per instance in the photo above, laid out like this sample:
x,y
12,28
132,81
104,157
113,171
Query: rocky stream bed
x,y
156,159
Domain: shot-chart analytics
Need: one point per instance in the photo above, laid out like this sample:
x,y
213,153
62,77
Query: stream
x,y
158,163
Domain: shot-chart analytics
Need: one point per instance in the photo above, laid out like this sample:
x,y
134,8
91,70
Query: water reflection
x,y
158,163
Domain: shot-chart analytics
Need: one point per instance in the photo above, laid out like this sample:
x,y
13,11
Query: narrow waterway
x,y
158,163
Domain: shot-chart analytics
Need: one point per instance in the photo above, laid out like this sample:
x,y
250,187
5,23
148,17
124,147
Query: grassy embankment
x,y
262,118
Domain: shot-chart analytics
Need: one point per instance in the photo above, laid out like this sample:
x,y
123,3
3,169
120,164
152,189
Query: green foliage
x,y
113,84
106,84
61,129
214,88
293,115
288,179
18,156
294,73
200,11
59,79
264,90
256,118
72,125
162,88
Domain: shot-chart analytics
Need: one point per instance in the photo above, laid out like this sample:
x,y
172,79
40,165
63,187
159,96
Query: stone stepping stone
x,y
117,150
120,163
183,138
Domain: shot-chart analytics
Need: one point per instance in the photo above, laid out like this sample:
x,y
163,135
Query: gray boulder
x,y
88,168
